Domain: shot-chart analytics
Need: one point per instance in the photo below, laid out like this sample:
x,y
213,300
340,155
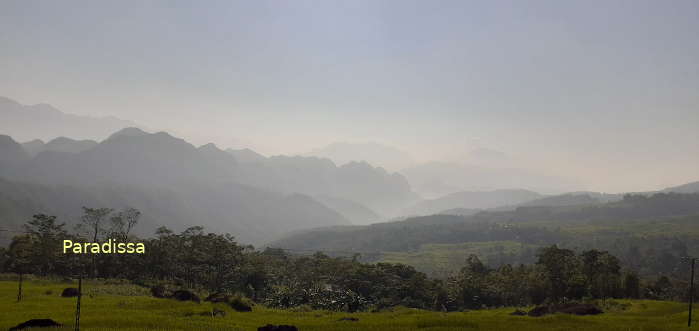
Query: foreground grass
x,y
125,307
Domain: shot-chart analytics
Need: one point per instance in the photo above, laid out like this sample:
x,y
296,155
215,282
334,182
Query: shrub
x,y
240,303
70,292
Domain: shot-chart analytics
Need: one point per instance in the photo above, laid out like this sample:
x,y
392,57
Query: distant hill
x,y
353,211
459,211
521,225
246,155
378,190
43,121
12,155
472,200
436,179
170,180
60,144
573,199
376,154
685,188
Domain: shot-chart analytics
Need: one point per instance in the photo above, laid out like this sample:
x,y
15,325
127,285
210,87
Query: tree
x,y
632,286
602,273
47,236
562,272
92,223
123,222
19,258
471,283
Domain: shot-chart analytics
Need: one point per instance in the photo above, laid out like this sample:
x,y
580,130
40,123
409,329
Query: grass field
x,y
128,307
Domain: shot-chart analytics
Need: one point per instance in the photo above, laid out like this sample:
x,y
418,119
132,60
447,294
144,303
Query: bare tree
x,y
92,222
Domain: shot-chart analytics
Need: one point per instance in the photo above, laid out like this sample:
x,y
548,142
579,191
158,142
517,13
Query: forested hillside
x,y
650,234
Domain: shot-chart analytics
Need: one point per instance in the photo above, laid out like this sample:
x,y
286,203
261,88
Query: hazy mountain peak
x,y
692,187
34,141
44,121
128,132
246,155
11,152
371,152
4,101
34,147
209,146
68,145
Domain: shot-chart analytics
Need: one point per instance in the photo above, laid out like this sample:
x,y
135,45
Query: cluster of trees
x,y
558,275
216,263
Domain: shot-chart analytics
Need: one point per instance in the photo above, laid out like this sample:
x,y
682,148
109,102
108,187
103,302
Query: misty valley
x,y
378,165
301,232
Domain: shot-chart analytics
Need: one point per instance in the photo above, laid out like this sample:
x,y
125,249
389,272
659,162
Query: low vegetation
x,y
131,310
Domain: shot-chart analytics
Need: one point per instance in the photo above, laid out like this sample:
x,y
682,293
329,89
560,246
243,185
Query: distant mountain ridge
x,y
685,188
170,180
60,144
436,179
180,184
471,200
373,153
45,122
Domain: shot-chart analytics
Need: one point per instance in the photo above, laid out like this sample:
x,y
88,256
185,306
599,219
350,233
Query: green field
x,y
128,307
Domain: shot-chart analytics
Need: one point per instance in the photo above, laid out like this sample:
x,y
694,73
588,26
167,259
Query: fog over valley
x,y
388,165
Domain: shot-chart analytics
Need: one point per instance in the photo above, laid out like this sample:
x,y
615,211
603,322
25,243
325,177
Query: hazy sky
x,y
603,91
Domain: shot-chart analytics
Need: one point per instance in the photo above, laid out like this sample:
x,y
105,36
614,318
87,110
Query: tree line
x,y
215,263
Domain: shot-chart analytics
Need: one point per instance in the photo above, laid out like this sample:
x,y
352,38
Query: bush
x,y
319,297
122,290
70,292
240,303
185,295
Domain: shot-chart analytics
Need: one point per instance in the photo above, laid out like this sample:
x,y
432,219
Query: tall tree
x,y
46,249
561,266
92,223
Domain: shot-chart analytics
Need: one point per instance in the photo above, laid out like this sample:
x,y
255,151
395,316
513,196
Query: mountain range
x,y
258,198
177,184
388,157
45,122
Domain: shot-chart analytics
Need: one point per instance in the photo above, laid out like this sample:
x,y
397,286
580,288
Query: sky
x,y
605,92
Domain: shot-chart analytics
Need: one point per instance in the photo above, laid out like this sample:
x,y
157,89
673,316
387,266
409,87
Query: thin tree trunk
x,y
19,292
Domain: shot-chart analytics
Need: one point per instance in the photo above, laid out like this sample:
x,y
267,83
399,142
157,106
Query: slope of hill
x,y
435,179
573,199
685,188
246,155
42,121
529,225
459,211
353,211
472,200
12,155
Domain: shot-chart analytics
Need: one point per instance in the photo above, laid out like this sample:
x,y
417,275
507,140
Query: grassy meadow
x,y
130,307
